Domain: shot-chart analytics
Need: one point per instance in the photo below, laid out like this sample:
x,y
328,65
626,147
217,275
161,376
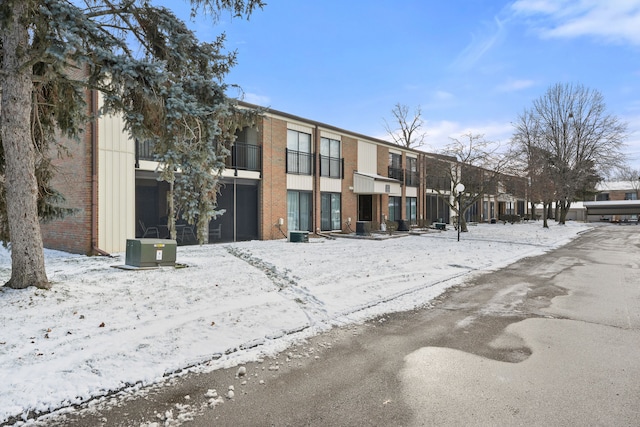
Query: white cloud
x,y
632,144
512,85
442,95
439,133
480,45
612,20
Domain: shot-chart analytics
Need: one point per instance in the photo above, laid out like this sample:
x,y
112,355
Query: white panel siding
x,y
300,128
299,182
325,134
231,173
116,185
330,185
412,192
367,157
390,188
363,184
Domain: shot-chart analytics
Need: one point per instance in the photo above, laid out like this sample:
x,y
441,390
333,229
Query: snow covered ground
x,y
101,329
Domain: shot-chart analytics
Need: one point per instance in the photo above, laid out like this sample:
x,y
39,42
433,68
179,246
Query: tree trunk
x,y
533,211
463,224
27,255
564,210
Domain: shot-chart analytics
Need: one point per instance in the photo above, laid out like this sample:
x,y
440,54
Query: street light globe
x,y
460,188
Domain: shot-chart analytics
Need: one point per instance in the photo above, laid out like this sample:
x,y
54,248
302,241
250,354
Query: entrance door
x,y
365,207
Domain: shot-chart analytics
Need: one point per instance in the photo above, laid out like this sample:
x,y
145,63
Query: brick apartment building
x,y
288,173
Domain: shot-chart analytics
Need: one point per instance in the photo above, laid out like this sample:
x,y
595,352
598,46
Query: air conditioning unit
x,y
151,252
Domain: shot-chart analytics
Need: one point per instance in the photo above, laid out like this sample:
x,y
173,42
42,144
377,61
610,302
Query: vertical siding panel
x,y
116,191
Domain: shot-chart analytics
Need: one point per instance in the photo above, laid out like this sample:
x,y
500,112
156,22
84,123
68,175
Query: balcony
x,y
299,162
331,167
412,179
396,173
243,156
144,151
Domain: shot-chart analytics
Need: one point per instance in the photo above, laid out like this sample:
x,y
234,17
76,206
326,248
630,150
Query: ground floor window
x,y
330,211
412,210
299,210
395,208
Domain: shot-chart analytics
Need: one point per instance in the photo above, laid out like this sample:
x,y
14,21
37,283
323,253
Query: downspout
x,y
94,176
317,205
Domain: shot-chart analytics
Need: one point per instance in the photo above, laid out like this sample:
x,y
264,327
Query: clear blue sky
x,y
472,65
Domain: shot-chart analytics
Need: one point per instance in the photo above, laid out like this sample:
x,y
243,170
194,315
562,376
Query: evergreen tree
x,y
149,67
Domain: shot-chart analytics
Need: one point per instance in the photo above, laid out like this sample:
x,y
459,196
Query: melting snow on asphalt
x,y
102,329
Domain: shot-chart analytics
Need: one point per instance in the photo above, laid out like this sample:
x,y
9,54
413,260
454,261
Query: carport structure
x,y
612,210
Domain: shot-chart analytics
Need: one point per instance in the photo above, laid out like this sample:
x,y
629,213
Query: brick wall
x,y
73,180
349,198
273,195
619,194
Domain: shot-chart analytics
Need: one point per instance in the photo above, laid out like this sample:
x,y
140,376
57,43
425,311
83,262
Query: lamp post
x,y
459,189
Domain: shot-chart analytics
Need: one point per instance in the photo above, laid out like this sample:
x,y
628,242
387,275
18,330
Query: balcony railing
x,y
396,173
331,166
412,178
243,156
145,150
299,162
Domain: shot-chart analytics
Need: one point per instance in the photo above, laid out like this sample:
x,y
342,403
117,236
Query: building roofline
x,y
333,128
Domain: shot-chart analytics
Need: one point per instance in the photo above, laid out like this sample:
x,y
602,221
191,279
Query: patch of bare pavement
x,y
549,340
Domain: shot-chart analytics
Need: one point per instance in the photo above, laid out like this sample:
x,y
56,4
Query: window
x,y
602,197
330,163
330,211
299,210
299,156
395,212
412,172
395,166
412,210
631,196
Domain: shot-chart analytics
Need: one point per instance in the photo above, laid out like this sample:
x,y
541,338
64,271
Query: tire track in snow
x,y
287,285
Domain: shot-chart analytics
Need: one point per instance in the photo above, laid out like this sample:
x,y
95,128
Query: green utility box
x,y
151,252
299,236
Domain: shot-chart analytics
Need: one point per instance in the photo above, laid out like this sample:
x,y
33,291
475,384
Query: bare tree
x,y
582,140
530,156
474,162
407,134
629,174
